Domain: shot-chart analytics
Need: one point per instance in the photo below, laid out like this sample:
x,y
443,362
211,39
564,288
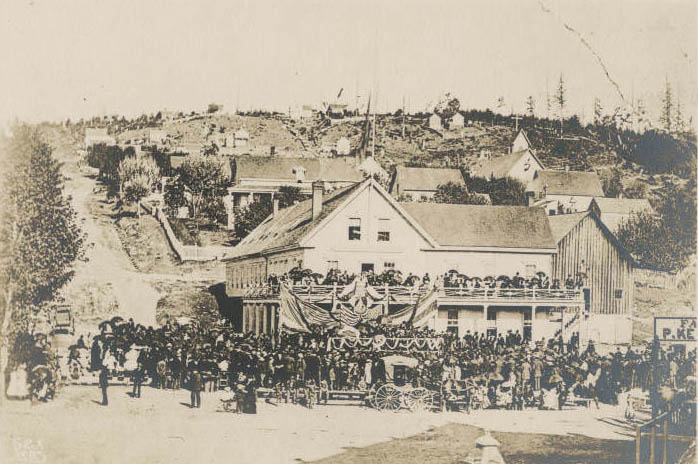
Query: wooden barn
x,y
585,245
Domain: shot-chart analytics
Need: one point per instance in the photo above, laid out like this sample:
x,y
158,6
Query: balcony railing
x,y
406,294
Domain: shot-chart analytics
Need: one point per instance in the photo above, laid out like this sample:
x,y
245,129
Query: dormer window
x,y
527,165
299,171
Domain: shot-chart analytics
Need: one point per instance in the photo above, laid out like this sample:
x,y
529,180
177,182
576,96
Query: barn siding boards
x,y
607,266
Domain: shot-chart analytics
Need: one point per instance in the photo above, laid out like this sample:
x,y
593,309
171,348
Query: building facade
x,y
586,246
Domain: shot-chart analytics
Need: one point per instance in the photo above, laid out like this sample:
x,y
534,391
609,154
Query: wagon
x,y
398,392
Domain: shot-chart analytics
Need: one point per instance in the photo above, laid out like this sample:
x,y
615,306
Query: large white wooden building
x,y
362,228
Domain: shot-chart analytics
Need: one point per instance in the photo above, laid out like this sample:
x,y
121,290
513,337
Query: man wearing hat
x,y
196,385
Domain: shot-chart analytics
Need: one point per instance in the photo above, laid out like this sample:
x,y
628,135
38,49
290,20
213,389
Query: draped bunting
x,y
356,302
382,343
418,314
297,315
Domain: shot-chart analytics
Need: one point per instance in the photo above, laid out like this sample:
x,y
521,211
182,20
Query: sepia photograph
x,y
348,231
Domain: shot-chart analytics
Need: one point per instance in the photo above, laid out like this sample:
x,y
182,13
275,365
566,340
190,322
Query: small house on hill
x,y
614,211
242,138
434,122
94,136
520,165
422,183
157,136
586,246
564,191
336,110
343,146
456,122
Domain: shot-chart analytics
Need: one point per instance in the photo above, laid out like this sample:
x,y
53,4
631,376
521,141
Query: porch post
x,y
534,332
272,319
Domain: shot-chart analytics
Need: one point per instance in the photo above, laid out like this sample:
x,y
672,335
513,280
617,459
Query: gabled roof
x,y
502,165
562,224
522,133
575,183
263,167
626,206
426,178
483,226
290,225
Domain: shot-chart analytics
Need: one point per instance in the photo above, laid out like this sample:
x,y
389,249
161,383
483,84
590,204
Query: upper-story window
x,y
355,229
384,230
299,171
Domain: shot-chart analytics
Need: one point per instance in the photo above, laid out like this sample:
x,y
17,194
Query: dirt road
x,y
108,265
160,427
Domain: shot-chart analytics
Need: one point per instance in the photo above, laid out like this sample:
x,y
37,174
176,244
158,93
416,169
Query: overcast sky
x,y
80,58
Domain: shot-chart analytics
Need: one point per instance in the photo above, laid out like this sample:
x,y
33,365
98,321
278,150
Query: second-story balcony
x,y
445,295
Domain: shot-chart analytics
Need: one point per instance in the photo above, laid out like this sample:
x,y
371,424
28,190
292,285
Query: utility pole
x,y
517,118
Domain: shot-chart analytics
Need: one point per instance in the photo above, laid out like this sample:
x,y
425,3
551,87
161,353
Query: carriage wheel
x,y
388,398
419,399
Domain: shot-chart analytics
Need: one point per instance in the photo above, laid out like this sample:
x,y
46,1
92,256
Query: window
x,y
491,314
452,324
530,270
388,265
332,265
355,229
366,267
618,293
384,230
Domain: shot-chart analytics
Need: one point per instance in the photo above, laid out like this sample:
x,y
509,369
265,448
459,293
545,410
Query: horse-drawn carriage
x,y
402,389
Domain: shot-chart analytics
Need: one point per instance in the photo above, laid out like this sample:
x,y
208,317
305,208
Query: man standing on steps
x,y
195,385
103,384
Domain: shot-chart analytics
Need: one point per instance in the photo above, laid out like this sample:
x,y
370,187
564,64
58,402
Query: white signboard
x,y
675,329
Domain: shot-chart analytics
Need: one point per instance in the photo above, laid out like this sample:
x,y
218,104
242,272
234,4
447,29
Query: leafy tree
x,y
664,241
251,216
458,194
636,190
612,183
289,195
40,239
447,107
203,180
138,176
502,190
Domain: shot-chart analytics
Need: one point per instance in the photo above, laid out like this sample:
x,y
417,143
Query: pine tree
x,y
598,111
679,124
531,106
561,100
40,239
667,108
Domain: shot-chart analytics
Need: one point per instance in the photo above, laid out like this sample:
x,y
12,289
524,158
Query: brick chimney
x,y
318,187
276,207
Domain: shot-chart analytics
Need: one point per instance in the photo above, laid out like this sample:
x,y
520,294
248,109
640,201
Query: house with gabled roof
x,y
520,165
521,142
421,184
362,228
614,211
563,192
586,246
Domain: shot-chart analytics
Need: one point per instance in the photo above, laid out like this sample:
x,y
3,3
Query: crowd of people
x,y
506,370
453,278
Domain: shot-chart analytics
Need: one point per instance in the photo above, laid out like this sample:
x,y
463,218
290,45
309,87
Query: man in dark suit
x,y
196,385
103,384
138,375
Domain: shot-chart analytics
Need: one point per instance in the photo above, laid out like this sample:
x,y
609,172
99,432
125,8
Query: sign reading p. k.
x,y
675,329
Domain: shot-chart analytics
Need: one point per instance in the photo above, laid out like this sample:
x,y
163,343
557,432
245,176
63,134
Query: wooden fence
x,y
657,279
185,252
